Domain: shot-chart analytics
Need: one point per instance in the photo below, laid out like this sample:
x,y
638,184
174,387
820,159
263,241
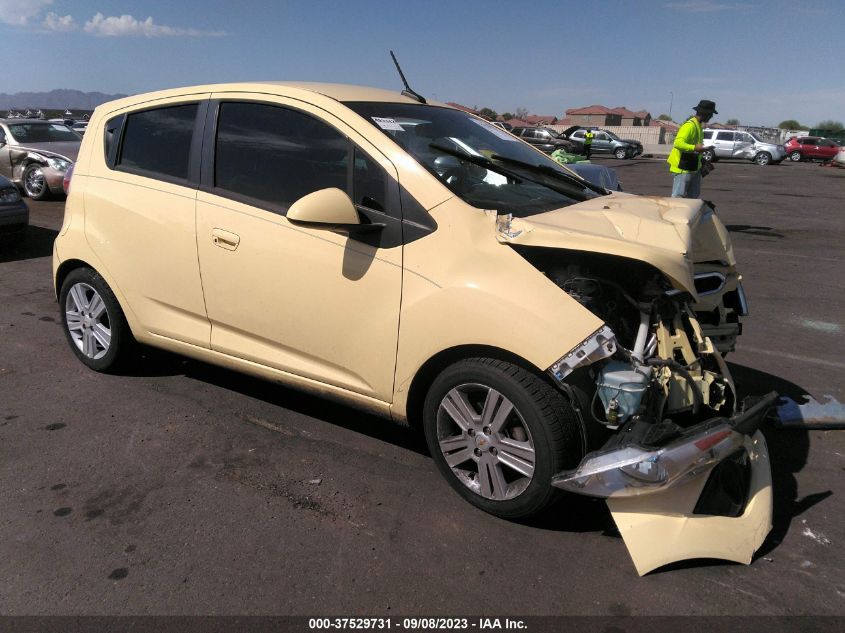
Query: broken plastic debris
x,y
811,415
315,481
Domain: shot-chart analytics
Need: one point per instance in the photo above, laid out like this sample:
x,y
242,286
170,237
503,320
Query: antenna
x,y
408,91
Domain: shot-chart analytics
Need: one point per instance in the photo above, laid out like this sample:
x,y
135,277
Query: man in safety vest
x,y
685,159
588,143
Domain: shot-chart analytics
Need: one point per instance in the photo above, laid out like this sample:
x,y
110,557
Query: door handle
x,y
225,239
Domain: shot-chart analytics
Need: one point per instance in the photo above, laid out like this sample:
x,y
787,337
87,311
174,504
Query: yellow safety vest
x,y
689,135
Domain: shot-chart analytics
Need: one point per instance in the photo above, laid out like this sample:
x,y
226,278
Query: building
x,y
602,116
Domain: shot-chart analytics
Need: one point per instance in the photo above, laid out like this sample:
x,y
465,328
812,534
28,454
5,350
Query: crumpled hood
x,y
68,150
668,233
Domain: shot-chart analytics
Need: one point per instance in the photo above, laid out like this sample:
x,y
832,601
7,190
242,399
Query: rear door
x,y
724,143
313,302
140,213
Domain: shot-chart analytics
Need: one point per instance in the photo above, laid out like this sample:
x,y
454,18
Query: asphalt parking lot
x,y
181,488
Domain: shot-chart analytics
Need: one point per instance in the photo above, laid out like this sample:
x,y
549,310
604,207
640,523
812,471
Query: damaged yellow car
x,y
415,261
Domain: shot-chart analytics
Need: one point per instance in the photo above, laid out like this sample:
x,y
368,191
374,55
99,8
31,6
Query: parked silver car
x,y
740,145
35,154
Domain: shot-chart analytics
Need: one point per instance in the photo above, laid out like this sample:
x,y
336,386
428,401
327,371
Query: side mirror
x,y
329,209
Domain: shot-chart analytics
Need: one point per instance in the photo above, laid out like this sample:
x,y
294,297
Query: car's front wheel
x,y
620,153
795,156
763,158
93,322
35,183
498,433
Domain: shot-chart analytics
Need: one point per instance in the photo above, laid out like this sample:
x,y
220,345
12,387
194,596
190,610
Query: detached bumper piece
x,y
706,494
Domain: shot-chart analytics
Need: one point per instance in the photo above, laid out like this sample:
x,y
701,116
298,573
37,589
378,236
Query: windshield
x,y
612,135
487,167
42,133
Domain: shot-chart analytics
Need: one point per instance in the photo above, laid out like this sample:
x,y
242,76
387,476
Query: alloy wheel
x,y
485,441
34,182
88,321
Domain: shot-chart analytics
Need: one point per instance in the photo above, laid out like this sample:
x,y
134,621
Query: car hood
x,y
630,140
671,234
68,150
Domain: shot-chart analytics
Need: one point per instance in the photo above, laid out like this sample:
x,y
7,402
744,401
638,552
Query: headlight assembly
x,y
59,164
9,195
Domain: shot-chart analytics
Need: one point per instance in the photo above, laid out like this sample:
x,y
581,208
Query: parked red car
x,y
810,147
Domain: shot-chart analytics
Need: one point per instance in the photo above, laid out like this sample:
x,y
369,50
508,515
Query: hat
x,y
706,106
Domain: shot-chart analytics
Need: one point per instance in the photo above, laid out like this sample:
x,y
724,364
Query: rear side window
x,y
277,155
708,135
159,141
726,136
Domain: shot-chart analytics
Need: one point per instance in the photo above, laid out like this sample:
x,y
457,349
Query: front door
x,y
313,302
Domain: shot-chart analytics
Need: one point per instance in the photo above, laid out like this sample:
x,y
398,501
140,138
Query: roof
x,y
338,92
593,109
534,119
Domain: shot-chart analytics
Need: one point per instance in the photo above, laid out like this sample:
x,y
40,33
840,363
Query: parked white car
x,y
740,145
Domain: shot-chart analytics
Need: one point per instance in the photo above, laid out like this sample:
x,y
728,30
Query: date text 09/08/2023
x,y
416,624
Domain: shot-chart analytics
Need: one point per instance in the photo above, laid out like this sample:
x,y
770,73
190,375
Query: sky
x,y
761,61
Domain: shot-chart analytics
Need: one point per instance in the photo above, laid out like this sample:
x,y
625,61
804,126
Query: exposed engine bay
x,y
663,369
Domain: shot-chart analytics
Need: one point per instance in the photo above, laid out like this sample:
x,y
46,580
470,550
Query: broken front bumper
x,y
707,494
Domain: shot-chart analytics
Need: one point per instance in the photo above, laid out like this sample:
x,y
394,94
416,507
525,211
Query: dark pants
x,y
587,148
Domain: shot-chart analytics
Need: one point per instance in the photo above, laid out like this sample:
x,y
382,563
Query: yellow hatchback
x,y
418,262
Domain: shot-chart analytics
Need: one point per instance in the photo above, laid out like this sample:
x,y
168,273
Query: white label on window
x,y
57,126
388,124
494,129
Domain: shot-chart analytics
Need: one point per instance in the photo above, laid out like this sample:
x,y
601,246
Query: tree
x,y
732,122
521,113
831,126
791,124
507,116
664,117
488,114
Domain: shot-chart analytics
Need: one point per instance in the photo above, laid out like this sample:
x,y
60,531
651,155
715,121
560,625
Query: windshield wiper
x,y
554,173
481,161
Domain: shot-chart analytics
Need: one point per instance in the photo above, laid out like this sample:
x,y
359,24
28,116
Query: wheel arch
x,y
69,265
431,368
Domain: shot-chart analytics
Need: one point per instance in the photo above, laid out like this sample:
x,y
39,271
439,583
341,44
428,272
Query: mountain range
x,y
55,99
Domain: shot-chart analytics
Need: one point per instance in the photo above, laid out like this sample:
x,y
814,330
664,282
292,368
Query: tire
x,y
763,158
795,156
708,156
492,418
34,183
620,153
93,321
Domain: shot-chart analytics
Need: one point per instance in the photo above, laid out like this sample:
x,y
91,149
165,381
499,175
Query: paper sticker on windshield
x,y
387,124
59,127
494,129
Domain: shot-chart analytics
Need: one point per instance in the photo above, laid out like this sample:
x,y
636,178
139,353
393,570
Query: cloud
x,y
20,12
62,24
706,6
127,25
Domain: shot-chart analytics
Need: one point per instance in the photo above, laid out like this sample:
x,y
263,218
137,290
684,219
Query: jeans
x,y
687,185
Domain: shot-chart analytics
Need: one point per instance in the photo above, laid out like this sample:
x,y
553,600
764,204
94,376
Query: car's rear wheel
x,y
795,156
620,153
93,322
34,182
708,155
763,158
498,433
